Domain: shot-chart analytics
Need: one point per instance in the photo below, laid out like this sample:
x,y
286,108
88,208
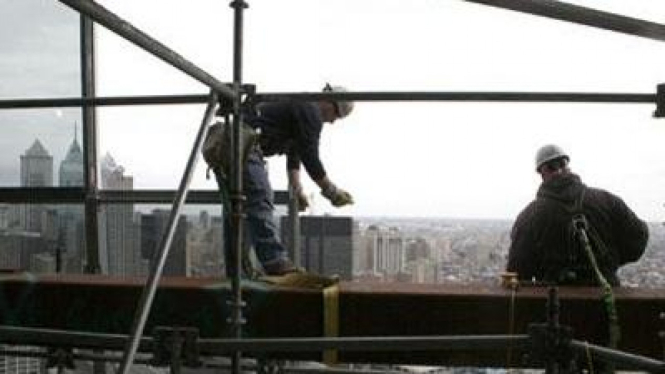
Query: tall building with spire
x,y
71,168
71,237
119,237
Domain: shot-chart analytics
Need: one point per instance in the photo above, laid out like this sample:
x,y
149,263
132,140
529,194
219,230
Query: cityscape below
x,y
43,239
50,239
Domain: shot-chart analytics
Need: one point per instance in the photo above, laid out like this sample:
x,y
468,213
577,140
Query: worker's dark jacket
x,y
292,128
544,245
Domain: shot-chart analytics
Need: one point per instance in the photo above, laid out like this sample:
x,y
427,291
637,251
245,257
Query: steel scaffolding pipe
x,y
563,97
556,97
103,101
582,15
623,359
370,344
220,347
157,266
237,194
77,195
125,29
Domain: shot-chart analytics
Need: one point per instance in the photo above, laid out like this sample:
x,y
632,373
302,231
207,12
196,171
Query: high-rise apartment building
x,y
119,238
327,244
36,171
153,227
382,251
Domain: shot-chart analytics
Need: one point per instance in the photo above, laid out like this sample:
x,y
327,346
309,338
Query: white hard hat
x,y
344,108
548,153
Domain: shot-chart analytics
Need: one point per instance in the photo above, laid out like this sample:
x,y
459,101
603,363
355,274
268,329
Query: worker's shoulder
x,y
600,195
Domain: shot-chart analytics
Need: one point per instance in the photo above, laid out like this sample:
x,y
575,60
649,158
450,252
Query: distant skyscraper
x,y
153,227
119,239
4,216
36,171
36,167
71,168
327,244
72,224
383,251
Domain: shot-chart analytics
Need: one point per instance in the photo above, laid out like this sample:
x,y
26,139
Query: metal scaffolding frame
x,y
235,92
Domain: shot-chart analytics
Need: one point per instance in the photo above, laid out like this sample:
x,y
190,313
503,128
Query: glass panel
x,y
42,238
39,45
41,148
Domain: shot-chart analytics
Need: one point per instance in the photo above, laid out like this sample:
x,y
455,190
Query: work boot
x,y
279,266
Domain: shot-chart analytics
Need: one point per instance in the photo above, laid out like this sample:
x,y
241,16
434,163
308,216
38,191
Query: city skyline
x,y
389,249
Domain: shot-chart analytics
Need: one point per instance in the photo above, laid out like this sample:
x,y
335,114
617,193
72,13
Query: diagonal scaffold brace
x,y
159,260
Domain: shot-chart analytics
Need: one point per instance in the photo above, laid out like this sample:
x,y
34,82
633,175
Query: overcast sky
x,y
39,46
400,159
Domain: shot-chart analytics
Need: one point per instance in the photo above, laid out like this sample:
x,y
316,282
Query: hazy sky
x,y
39,49
404,159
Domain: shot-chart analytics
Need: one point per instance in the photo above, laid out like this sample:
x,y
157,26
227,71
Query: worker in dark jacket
x,y
292,128
544,245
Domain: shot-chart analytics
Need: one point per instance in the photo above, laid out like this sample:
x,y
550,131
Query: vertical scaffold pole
x,y
237,194
159,259
552,366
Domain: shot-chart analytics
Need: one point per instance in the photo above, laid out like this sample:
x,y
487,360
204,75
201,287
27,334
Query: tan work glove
x,y
337,196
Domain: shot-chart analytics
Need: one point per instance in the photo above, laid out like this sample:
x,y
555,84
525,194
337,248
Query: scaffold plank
x,y
102,304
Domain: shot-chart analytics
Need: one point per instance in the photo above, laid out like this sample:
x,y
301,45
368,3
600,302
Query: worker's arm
x,y
337,196
633,232
522,258
298,191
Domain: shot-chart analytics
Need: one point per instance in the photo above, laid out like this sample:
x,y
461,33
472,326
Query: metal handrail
x,y
617,357
77,195
479,96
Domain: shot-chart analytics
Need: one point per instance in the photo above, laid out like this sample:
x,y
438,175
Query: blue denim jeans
x,y
260,231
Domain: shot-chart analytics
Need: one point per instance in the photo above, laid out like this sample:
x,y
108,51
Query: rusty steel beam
x,y
105,305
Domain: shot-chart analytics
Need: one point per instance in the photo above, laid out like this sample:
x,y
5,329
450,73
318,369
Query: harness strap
x,y
583,231
330,320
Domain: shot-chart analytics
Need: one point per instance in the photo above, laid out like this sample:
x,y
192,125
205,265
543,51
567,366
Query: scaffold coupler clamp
x,y
660,101
60,358
225,107
248,94
175,347
236,305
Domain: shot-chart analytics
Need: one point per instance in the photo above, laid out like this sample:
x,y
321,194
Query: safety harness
x,y
586,235
217,152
